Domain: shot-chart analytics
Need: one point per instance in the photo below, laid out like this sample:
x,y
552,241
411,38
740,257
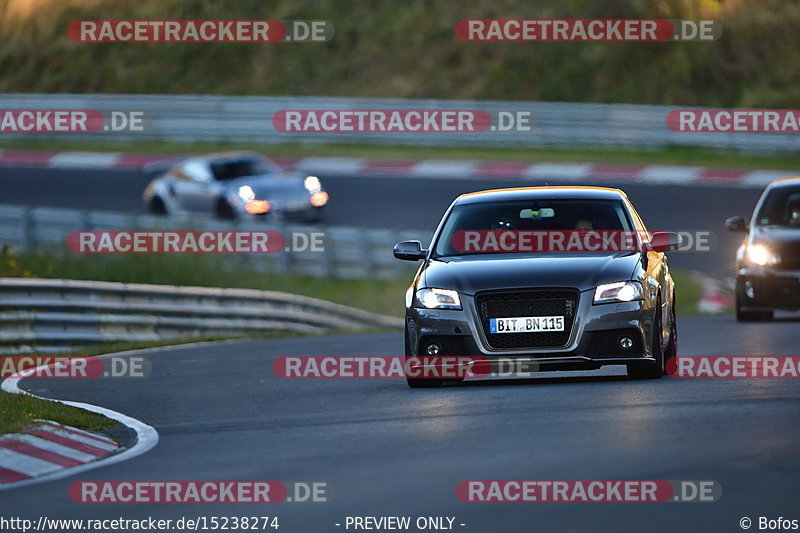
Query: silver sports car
x,y
233,185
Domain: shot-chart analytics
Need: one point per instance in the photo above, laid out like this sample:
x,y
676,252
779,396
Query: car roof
x,y
542,193
785,182
227,156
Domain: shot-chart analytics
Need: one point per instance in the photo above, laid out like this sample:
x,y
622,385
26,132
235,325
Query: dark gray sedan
x,y
234,185
543,306
768,261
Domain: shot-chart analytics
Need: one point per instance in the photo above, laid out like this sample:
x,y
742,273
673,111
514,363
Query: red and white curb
x,y
46,447
437,169
49,451
717,293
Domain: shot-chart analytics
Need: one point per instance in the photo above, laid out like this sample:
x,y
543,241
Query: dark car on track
x,y
546,309
768,261
233,185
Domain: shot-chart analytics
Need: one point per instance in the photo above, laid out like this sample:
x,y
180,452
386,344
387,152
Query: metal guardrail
x,y
55,315
248,119
349,253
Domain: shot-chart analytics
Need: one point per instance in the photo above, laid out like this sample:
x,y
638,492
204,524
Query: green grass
x,y
409,50
19,410
375,295
674,155
687,293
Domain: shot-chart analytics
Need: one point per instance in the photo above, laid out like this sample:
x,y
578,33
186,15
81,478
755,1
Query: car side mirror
x,y
409,251
737,223
664,241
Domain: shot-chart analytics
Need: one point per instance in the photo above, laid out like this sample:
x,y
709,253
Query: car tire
x,y
417,383
654,369
672,347
157,207
225,210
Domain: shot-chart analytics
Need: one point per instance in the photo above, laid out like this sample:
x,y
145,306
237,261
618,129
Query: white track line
x,y
662,174
334,165
146,436
657,175
444,168
559,171
83,160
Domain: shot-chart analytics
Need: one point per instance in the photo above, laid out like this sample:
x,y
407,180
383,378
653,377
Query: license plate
x,y
526,324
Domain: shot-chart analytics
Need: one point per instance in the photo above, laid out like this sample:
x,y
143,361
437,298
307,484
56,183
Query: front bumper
x,y
307,213
592,341
766,288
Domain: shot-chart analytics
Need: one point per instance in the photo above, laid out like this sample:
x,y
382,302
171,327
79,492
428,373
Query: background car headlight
x,y
246,193
624,291
437,299
760,255
312,184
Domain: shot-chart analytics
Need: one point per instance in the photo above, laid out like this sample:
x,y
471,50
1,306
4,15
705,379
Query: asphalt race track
x,y
389,450
407,203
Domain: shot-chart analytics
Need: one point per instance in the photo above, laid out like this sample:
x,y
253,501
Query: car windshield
x,y
231,169
781,207
530,215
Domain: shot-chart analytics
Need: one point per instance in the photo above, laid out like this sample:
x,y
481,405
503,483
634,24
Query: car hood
x,y
475,273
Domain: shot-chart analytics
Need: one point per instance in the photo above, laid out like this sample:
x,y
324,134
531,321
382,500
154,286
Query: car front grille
x,y
528,303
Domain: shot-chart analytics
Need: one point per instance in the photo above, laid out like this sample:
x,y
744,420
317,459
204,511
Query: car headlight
x,y
760,255
312,184
246,193
623,291
437,299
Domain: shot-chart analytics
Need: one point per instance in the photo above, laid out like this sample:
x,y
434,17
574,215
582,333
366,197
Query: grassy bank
x,y
19,410
410,49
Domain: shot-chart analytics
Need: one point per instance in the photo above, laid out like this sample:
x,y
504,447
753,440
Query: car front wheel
x,y
156,206
225,210
652,369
